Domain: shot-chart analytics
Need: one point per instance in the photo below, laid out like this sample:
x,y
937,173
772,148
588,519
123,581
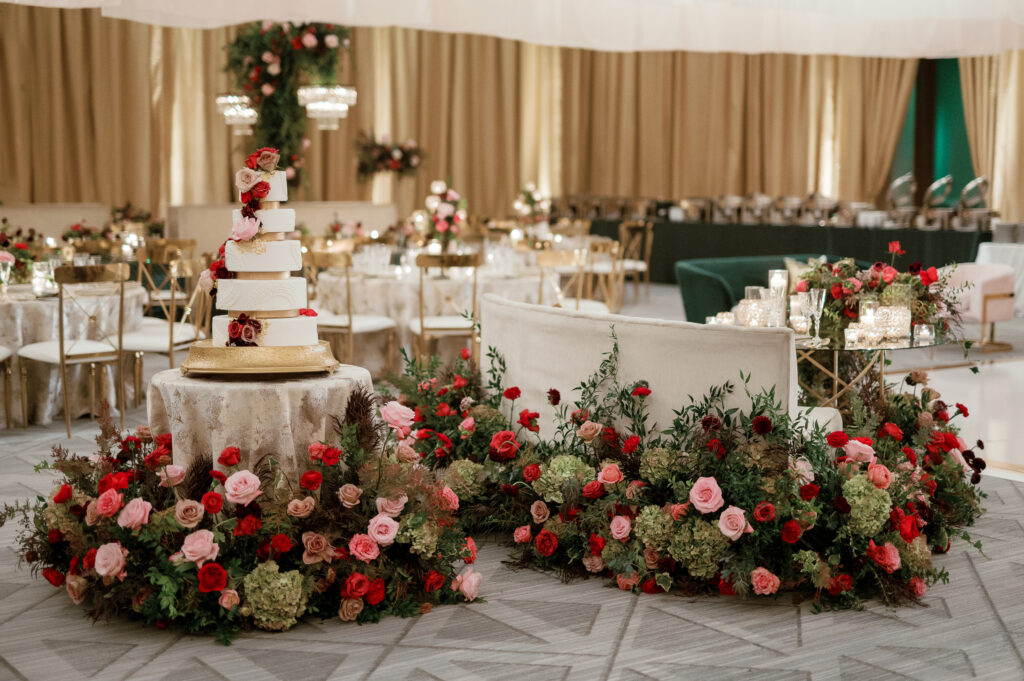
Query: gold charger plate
x,y
204,358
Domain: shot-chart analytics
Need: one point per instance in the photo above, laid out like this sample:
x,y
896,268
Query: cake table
x,y
280,417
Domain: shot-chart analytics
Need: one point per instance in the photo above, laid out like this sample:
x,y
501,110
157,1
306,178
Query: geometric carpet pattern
x,y
534,628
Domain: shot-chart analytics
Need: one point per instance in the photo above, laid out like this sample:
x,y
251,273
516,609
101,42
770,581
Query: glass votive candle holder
x,y
924,334
725,318
800,324
796,305
852,337
710,320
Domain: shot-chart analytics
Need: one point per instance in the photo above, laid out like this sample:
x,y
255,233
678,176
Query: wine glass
x,y
816,300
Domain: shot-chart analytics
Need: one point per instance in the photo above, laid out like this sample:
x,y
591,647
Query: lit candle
x,y
778,282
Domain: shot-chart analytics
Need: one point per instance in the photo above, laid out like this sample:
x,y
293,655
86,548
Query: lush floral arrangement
x,y
446,214
16,250
132,213
218,547
382,156
269,61
344,230
530,205
929,294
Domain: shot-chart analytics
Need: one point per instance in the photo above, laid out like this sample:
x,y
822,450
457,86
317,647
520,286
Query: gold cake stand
x,y
204,358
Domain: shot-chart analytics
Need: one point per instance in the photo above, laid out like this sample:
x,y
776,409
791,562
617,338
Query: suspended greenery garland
x,y
269,61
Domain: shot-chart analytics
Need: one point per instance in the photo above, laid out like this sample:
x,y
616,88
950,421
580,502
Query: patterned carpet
x,y
533,628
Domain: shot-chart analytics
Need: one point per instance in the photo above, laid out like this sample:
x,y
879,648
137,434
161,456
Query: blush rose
x,y
706,495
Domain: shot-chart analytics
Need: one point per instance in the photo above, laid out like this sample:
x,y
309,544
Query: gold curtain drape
x,y
979,85
1008,177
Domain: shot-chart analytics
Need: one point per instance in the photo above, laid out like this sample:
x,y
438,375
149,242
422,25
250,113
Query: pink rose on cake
x,y
245,229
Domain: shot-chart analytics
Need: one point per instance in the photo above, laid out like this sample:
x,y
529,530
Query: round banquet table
x,y
25,319
280,417
397,297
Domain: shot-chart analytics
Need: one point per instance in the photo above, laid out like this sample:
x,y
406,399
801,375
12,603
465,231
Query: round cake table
x,y
280,417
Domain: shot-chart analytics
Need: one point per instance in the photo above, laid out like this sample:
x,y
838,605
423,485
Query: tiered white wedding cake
x,y
265,305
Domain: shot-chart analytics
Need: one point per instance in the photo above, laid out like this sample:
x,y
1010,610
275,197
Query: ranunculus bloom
x,y
362,547
450,498
383,528
199,547
468,584
763,582
110,560
228,599
540,512
242,487
706,495
610,474
620,527
393,506
135,514
886,556
349,609
398,416
317,548
349,495
188,513
733,523
589,430
522,534
171,476
879,475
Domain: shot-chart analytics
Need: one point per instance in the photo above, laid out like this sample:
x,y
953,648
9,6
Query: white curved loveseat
x,y
547,347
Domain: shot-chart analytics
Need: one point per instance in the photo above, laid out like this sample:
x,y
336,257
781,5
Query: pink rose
x,y
445,210
917,586
801,286
331,41
539,511
610,475
627,583
188,513
886,556
228,599
589,430
171,476
763,582
309,40
467,427
441,225
468,583
242,487
246,179
593,563
859,452
733,523
621,527
110,560
958,456
199,547
317,548
804,470
135,514
889,273
398,416
706,495
109,503
274,68
450,498
301,508
245,229
362,547
522,535
267,160
76,586
92,515
651,558
392,507
879,475
383,529
349,495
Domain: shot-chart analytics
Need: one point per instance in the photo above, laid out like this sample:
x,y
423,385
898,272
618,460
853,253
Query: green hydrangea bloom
x,y
654,527
562,472
465,477
869,506
421,535
275,599
659,463
916,556
699,547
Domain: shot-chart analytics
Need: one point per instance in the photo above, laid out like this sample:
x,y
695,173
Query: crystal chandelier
x,y
238,113
327,104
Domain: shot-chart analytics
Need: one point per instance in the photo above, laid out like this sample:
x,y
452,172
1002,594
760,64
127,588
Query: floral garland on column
x,y
269,61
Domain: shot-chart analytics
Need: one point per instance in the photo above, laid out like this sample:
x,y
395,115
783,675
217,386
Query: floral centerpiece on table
x,y
16,250
129,213
79,232
532,206
446,214
383,156
344,230
269,61
216,546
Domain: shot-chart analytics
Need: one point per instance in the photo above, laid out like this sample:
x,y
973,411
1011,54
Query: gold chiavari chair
x,y
333,327
426,328
73,351
604,273
154,261
636,237
5,370
567,263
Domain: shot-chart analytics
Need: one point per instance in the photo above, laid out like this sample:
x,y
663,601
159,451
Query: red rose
x,y
281,543
212,577
464,353
260,190
554,397
331,456
725,588
546,543
528,420
73,565
839,584
651,587
250,162
908,528
716,447
21,246
836,291
911,455
63,495
54,536
213,502
864,440
596,544
809,491
355,586
593,490
504,446
53,576
512,393
376,592
631,444
892,430
837,439
89,560
762,425
311,480
433,581
961,409
218,476
710,423
130,444
641,391
250,524
764,512
444,409
531,472
234,330
116,481
791,532
229,457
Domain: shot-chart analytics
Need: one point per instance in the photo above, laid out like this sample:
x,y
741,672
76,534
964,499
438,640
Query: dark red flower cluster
x,y
762,425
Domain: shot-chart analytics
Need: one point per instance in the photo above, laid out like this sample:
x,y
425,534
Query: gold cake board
x,y
204,358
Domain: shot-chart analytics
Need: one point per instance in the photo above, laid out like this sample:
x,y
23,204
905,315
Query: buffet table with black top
x,y
684,240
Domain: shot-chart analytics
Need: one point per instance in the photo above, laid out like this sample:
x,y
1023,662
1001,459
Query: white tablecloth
x,y
25,319
280,417
1007,254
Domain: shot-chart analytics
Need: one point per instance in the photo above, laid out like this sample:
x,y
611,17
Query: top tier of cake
x,y
278,186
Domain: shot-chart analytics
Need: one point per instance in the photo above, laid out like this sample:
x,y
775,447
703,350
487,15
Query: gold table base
x,y
839,386
204,358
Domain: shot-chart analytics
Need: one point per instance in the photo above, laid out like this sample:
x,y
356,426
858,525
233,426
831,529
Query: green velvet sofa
x,y
713,285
